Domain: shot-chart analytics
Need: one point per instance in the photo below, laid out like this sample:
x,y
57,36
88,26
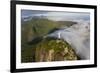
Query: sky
x,y
56,15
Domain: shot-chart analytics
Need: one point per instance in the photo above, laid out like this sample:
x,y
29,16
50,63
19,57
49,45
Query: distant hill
x,y
67,23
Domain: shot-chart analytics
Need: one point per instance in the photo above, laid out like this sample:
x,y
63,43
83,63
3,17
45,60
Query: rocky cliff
x,y
51,49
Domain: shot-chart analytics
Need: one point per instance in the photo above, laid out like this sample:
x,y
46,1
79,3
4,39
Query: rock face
x,y
51,49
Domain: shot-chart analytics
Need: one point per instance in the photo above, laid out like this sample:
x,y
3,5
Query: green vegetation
x,y
32,32
54,50
66,23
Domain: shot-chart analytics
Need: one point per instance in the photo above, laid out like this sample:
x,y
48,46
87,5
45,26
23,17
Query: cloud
x,y
67,16
57,16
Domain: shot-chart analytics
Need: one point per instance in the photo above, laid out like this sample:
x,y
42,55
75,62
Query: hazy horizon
x,y
56,15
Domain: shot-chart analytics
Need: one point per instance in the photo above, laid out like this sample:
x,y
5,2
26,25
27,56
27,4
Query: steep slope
x,y
32,33
50,49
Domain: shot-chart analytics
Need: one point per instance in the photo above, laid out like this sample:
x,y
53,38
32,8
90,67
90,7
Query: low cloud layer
x,y
78,36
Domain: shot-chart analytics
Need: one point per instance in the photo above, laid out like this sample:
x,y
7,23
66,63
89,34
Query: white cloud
x,y
58,16
66,16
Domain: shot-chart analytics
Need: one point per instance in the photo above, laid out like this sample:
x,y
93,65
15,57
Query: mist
x,y
78,36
